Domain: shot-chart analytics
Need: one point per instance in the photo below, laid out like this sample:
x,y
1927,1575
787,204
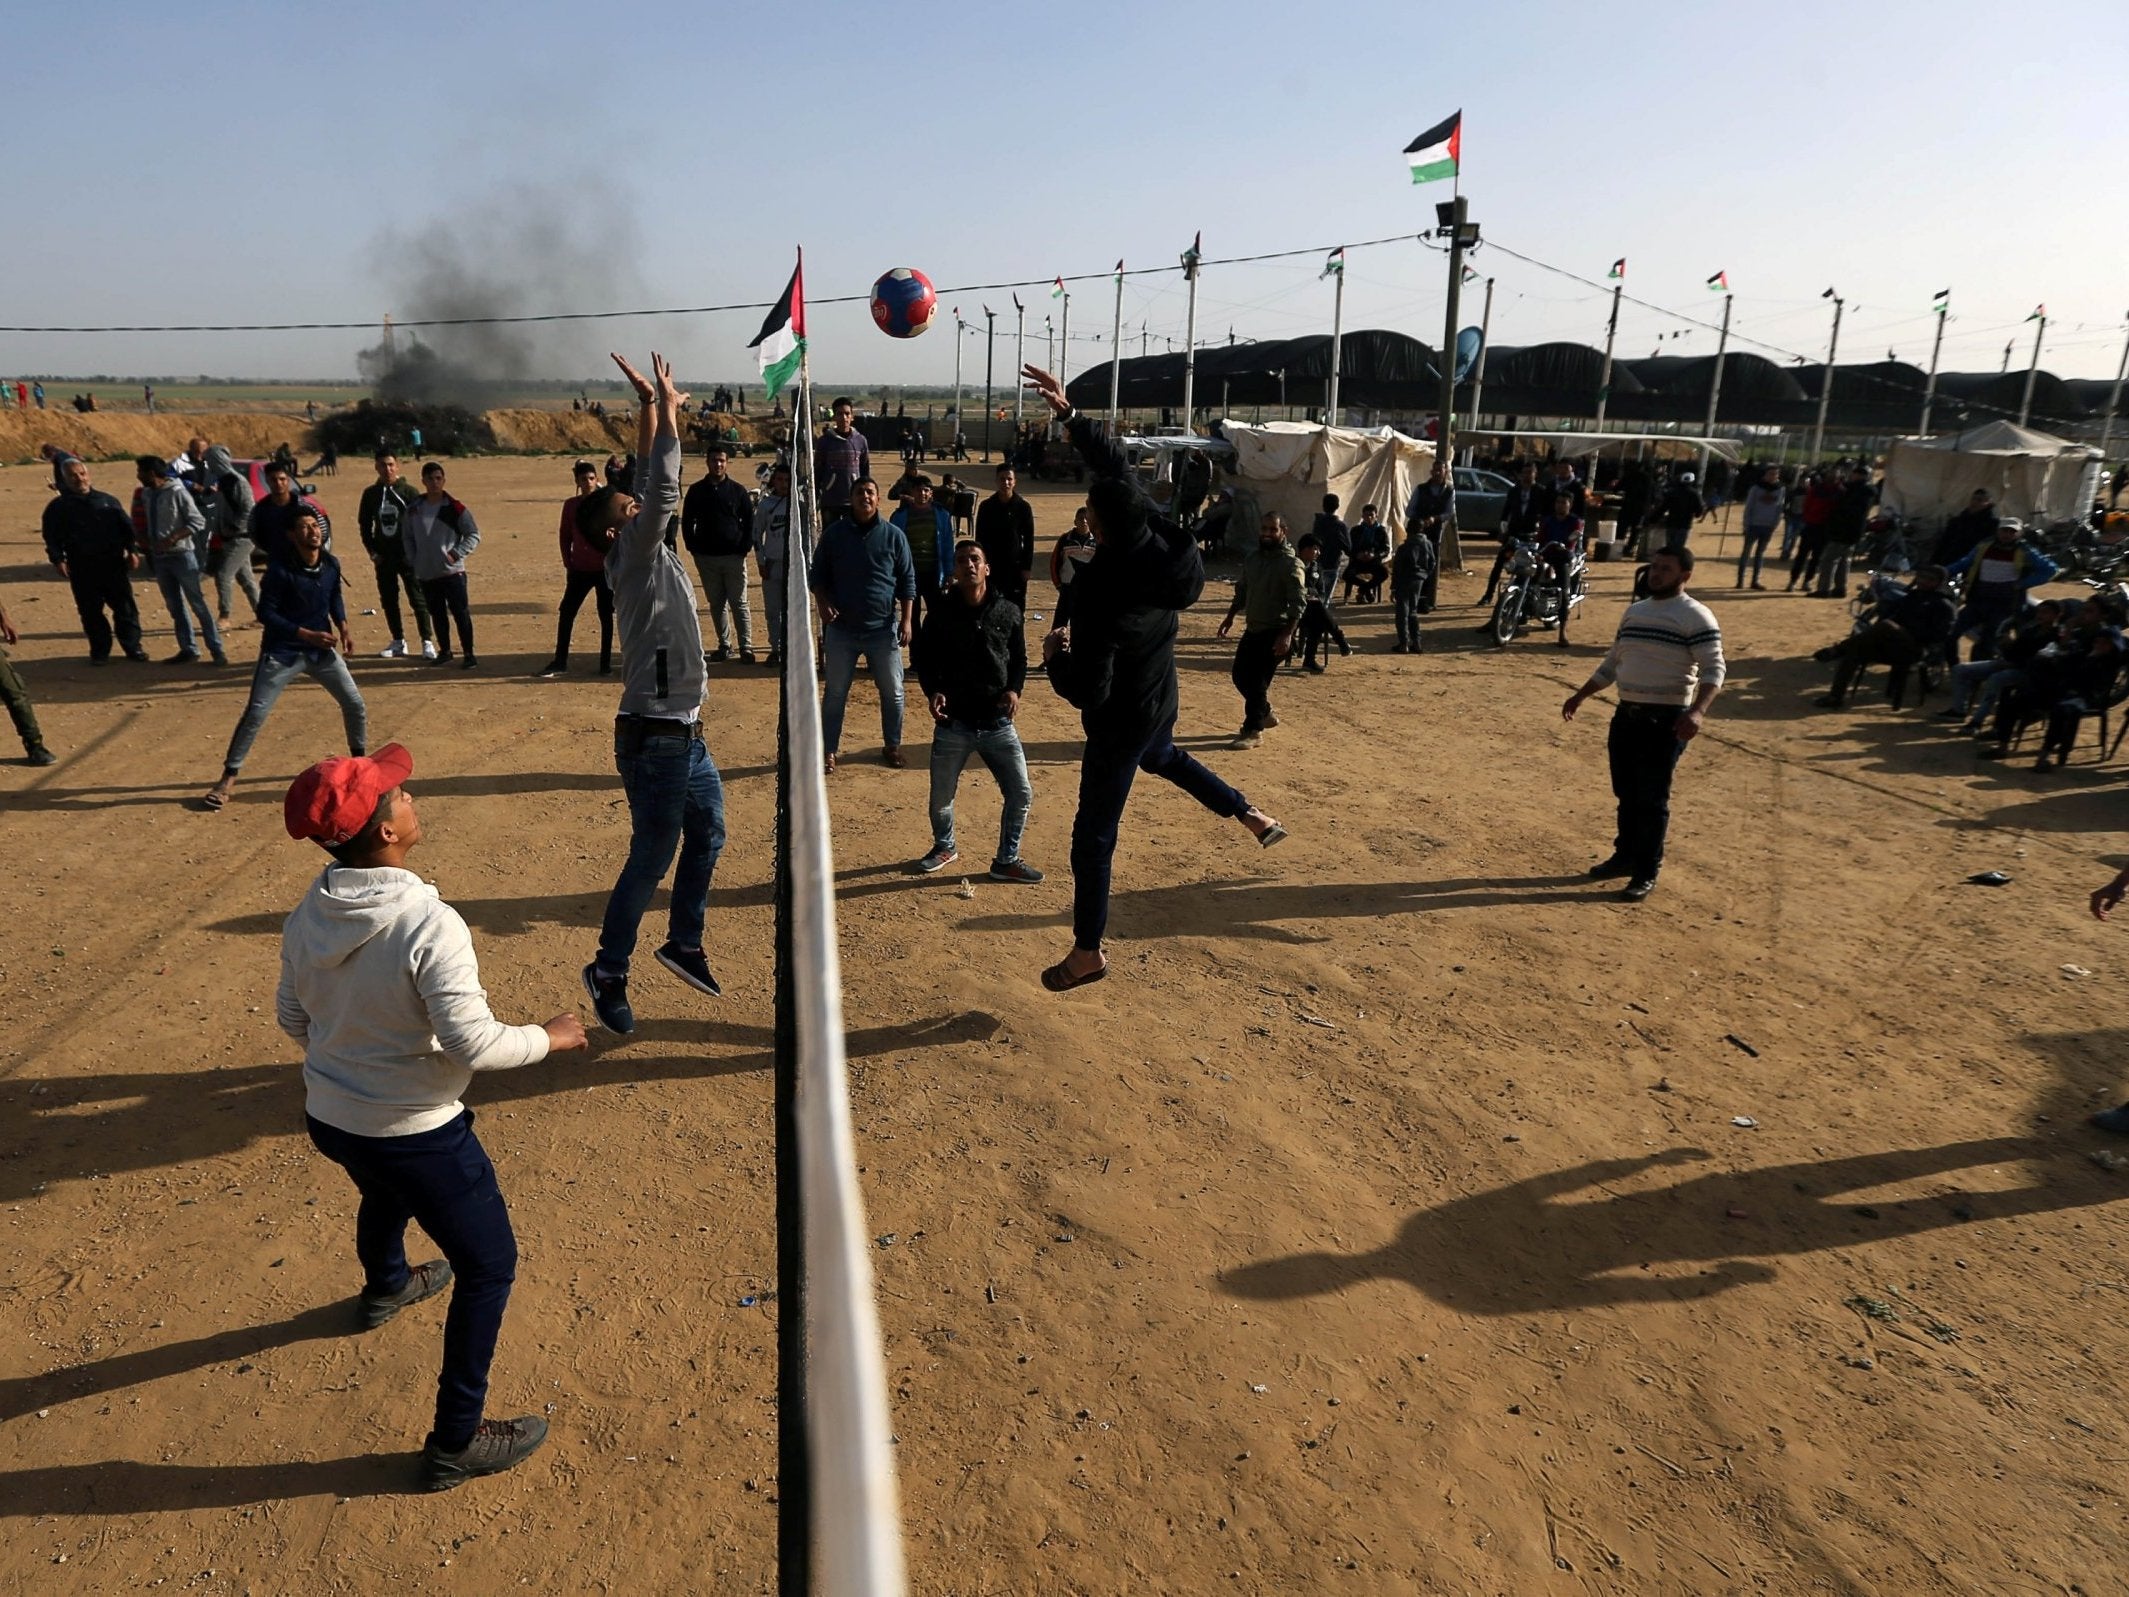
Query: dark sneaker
x,y
690,965
1015,870
609,1000
1609,870
468,663
1638,889
936,861
496,1446
718,656
746,656
552,669
423,1281
2115,1120
138,656
440,657
42,756
184,657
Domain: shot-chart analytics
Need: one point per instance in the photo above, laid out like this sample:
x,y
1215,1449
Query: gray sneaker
x,y
1015,870
496,1446
423,1281
934,862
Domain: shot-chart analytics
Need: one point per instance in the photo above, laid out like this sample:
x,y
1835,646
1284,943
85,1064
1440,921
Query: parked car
x,y
1481,496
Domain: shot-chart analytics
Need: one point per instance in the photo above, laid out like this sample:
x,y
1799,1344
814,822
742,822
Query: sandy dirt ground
x,y
1384,1224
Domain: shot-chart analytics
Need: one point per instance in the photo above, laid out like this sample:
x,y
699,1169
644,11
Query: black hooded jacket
x,y
1120,670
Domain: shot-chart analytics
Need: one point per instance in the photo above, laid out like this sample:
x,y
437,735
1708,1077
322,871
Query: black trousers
x,y
1881,644
1319,630
100,583
1644,750
448,595
580,584
1256,662
392,574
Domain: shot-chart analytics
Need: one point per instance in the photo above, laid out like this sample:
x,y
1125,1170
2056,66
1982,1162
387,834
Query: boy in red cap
x,y
380,985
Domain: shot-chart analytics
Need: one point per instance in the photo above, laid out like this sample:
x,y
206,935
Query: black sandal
x,y
1059,980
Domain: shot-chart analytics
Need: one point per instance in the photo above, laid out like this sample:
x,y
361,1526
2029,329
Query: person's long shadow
x,y
126,1486
268,790
1535,1245
65,1126
1255,907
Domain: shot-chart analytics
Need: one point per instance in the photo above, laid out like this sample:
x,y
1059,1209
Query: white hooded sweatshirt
x,y
379,984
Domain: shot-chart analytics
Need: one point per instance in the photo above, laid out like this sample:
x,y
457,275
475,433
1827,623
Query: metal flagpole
x,y
2025,403
1064,339
1330,411
1116,349
1722,343
960,328
1190,327
1020,360
1449,550
1485,336
1604,380
1818,430
1049,343
1929,389
2114,401
990,350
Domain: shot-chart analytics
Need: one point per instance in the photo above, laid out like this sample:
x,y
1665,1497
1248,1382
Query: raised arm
x,y
1096,448
646,400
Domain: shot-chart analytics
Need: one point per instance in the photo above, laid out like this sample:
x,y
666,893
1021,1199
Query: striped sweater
x,y
1665,648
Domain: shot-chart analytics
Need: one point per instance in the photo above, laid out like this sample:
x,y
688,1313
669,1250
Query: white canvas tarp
x,y
2030,475
1288,466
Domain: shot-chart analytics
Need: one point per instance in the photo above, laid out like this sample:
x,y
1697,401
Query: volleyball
x,y
903,302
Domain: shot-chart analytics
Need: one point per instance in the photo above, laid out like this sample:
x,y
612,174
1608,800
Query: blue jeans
x,y
1106,771
275,670
675,801
1407,603
178,575
998,746
443,1180
882,650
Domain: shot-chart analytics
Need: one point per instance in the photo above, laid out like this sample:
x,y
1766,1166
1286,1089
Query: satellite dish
x,y
1467,348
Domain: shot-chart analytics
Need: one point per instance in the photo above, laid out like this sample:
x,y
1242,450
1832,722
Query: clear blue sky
x,y
172,171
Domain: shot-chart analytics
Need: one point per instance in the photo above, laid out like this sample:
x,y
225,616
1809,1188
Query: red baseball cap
x,y
334,799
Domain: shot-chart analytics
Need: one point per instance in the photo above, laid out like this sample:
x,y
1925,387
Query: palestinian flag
x,y
1618,271
1435,153
1944,301
1470,276
2040,314
1193,255
1719,283
1334,265
1119,274
1057,289
782,339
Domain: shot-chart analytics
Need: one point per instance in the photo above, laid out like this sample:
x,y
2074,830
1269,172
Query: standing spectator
x,y
273,516
1334,545
37,393
1995,577
380,985
583,572
1370,565
1005,526
866,585
89,539
147,396
840,457
381,519
1681,507
22,395
1433,506
1821,494
971,660
302,615
17,699
772,553
1763,512
717,526
1845,525
1793,517
1118,668
1970,528
929,530
1410,571
1068,556
437,534
1667,660
1319,629
226,501
169,524
1269,596
1521,512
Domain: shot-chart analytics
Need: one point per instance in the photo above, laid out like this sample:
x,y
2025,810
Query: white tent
x,y
2030,475
1288,466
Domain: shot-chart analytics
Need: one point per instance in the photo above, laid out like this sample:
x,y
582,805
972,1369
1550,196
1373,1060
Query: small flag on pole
x,y
1435,153
1057,289
1469,275
1016,303
2039,311
781,343
1618,271
1944,300
1335,264
1719,283
1193,255
1119,274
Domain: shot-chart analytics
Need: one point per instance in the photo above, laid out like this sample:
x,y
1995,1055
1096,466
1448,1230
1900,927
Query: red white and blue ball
x,y
903,302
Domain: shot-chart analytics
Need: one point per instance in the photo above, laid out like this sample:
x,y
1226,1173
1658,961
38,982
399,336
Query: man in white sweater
x,y
1667,660
380,985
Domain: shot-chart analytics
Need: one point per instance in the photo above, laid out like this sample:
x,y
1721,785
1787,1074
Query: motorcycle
x,y
1533,594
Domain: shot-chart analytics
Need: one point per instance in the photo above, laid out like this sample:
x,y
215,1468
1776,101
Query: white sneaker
x,y
396,651
428,649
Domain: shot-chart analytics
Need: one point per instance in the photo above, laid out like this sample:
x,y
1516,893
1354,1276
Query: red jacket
x,y
1819,500
577,555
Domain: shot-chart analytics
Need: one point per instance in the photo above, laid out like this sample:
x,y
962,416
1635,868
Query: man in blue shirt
x,y
866,585
301,618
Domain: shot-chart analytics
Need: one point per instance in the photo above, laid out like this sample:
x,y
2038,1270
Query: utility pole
x,y
2114,401
2025,402
1722,344
960,327
1064,339
1020,359
1116,348
1455,217
990,350
1929,391
1485,337
1049,347
1604,381
1330,414
1818,432
1190,326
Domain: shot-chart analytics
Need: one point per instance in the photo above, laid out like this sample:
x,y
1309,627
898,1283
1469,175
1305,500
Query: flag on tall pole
x,y
1334,263
1435,154
1193,255
1618,271
1470,276
1057,289
1944,300
2038,312
781,343
1119,274
1719,283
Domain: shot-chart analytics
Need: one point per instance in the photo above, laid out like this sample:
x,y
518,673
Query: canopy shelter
x,y
1377,370
1611,445
1675,388
1288,466
2030,475
1548,380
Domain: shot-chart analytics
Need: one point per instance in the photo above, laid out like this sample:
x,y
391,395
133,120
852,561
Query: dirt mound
x,y
114,435
560,432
